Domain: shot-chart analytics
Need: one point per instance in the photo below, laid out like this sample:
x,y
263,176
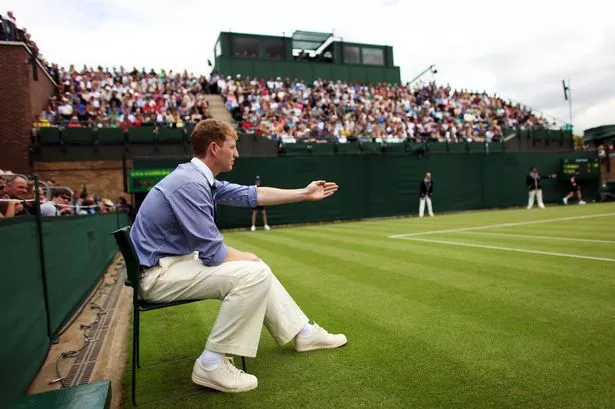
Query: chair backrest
x,y
122,237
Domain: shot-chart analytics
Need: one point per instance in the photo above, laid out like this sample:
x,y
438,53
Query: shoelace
x,y
229,365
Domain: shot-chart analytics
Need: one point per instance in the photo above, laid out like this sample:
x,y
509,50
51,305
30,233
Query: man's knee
x,y
259,272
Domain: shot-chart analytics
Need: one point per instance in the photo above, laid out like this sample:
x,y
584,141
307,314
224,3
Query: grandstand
x,y
304,106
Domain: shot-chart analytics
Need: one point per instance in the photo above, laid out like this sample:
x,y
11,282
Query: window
x,y
218,49
246,47
274,48
373,56
351,55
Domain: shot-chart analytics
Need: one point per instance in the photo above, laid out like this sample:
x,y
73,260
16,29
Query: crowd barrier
x,y
49,266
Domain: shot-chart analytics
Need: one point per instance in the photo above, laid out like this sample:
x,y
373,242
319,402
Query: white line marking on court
x,y
529,236
485,246
493,226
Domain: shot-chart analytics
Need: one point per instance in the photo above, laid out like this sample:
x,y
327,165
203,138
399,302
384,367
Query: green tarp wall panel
x,y
77,251
388,185
23,322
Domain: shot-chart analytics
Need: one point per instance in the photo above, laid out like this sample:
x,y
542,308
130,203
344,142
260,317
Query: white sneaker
x,y
565,200
582,202
320,339
225,378
253,228
267,227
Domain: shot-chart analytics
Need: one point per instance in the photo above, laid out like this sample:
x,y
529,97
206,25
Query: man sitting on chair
x,y
184,258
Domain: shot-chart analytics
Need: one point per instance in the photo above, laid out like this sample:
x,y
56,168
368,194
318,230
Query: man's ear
x,y
212,148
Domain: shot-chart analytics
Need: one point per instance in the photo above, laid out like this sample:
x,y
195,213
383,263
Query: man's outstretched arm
x,y
317,190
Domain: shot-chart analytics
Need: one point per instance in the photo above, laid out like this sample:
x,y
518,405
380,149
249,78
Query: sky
x,y
521,50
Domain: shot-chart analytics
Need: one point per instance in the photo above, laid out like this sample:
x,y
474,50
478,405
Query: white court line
x,y
529,236
493,226
485,246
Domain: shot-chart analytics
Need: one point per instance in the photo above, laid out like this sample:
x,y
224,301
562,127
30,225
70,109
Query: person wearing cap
x,y
183,256
255,210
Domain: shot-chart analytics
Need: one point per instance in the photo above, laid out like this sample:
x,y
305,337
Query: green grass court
x,y
464,318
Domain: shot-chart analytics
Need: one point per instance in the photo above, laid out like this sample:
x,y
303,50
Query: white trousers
x,y
422,206
535,194
251,295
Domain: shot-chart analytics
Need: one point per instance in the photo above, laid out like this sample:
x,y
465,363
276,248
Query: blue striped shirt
x,y
177,216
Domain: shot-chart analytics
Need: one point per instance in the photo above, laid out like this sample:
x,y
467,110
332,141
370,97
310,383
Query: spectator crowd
x,y
340,111
17,198
118,97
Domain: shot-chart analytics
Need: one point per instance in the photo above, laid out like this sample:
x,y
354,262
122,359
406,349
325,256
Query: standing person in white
x,y
184,257
426,191
534,187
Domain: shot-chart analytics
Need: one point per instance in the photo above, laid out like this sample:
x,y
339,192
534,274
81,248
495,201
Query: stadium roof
x,y
309,40
599,133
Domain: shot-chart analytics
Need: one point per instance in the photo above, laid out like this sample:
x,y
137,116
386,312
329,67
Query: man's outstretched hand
x,y
320,189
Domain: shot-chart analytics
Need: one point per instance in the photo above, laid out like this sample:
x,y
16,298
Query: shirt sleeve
x,y
48,209
230,194
193,207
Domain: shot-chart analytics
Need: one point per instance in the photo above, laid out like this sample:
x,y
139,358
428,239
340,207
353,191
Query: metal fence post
x,y
41,249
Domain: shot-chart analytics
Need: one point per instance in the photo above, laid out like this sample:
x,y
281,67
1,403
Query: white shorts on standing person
x,y
426,190
184,257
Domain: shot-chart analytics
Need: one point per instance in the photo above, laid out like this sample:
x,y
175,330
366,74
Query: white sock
x,y
210,359
306,331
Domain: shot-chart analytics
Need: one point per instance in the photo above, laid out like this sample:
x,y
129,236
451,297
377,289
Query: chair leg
x,y
138,329
135,352
243,363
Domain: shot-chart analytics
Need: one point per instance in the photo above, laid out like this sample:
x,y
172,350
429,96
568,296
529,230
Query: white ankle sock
x,y
210,359
306,331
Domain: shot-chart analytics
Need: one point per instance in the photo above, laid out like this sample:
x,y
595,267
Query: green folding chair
x,y
133,272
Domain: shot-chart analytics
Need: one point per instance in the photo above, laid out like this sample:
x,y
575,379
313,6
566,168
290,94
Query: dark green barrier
x,y
23,322
388,185
77,251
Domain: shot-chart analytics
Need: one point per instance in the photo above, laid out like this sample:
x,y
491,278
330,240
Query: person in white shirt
x,y
59,204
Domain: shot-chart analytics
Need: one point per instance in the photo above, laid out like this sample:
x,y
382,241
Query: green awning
x,y
309,40
599,133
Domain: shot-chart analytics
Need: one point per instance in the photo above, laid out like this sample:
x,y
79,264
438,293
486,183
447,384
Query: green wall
x,y
77,251
388,185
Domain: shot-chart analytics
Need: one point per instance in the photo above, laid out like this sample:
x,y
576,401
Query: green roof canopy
x,y
309,40
599,133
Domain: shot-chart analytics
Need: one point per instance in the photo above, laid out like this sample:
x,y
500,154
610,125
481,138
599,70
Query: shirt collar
x,y
202,167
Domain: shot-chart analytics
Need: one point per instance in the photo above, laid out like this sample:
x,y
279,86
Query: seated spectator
x,y
16,189
105,206
59,205
88,206
74,123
